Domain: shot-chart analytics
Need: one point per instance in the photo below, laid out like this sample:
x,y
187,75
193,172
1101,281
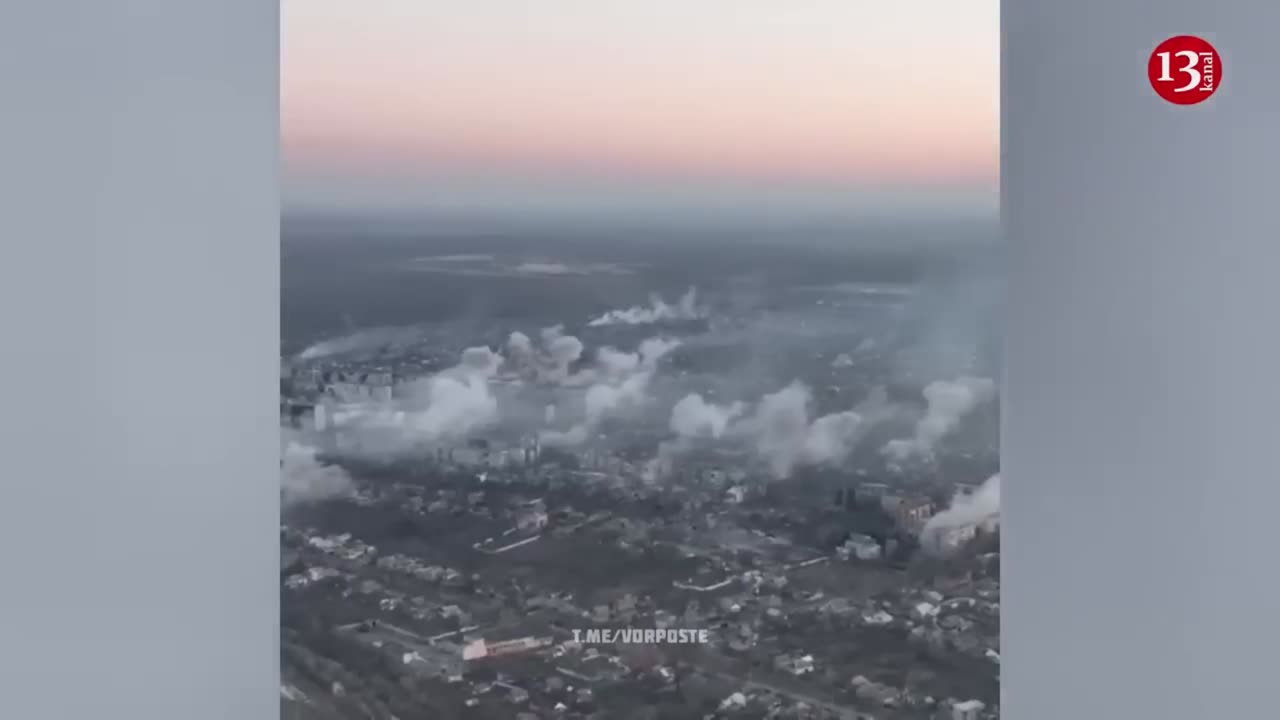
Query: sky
x,y
719,106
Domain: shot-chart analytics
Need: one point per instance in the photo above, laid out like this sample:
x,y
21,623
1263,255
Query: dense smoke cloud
x,y
613,364
563,351
779,429
446,406
303,478
779,426
551,361
548,382
693,417
604,399
619,382
657,311
462,400
829,438
480,362
948,403
965,512
785,437
520,347
625,377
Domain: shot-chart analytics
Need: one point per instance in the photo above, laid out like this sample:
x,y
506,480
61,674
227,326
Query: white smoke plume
x,y
965,512
619,382
449,407
785,437
694,417
480,361
563,351
623,378
948,403
829,438
657,311
304,479
446,406
520,347
364,340
549,361
551,333
604,399
552,363
779,427
613,364
656,348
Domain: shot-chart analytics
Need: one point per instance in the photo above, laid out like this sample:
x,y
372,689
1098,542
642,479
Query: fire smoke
x,y
693,417
779,430
304,479
446,406
948,402
980,508
657,311
619,382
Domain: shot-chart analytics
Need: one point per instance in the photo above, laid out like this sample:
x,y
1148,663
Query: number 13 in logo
x,y
1185,70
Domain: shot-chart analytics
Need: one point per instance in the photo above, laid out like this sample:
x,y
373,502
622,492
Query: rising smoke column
x,y
693,417
549,361
613,364
782,434
619,381
778,427
980,508
478,362
456,402
830,438
657,311
455,406
520,348
948,402
304,479
449,405
559,353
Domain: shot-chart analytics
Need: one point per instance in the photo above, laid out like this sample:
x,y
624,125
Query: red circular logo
x,y
1185,70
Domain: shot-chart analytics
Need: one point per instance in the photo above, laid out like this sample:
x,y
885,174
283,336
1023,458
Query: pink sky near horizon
x,y
830,92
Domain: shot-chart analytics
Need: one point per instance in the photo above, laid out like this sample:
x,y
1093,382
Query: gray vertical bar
x,y
1139,422
139,295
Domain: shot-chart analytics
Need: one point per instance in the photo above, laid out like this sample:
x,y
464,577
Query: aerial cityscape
x,y
800,461
611,388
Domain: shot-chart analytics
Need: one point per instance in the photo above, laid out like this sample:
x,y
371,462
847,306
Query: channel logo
x,y
1185,70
